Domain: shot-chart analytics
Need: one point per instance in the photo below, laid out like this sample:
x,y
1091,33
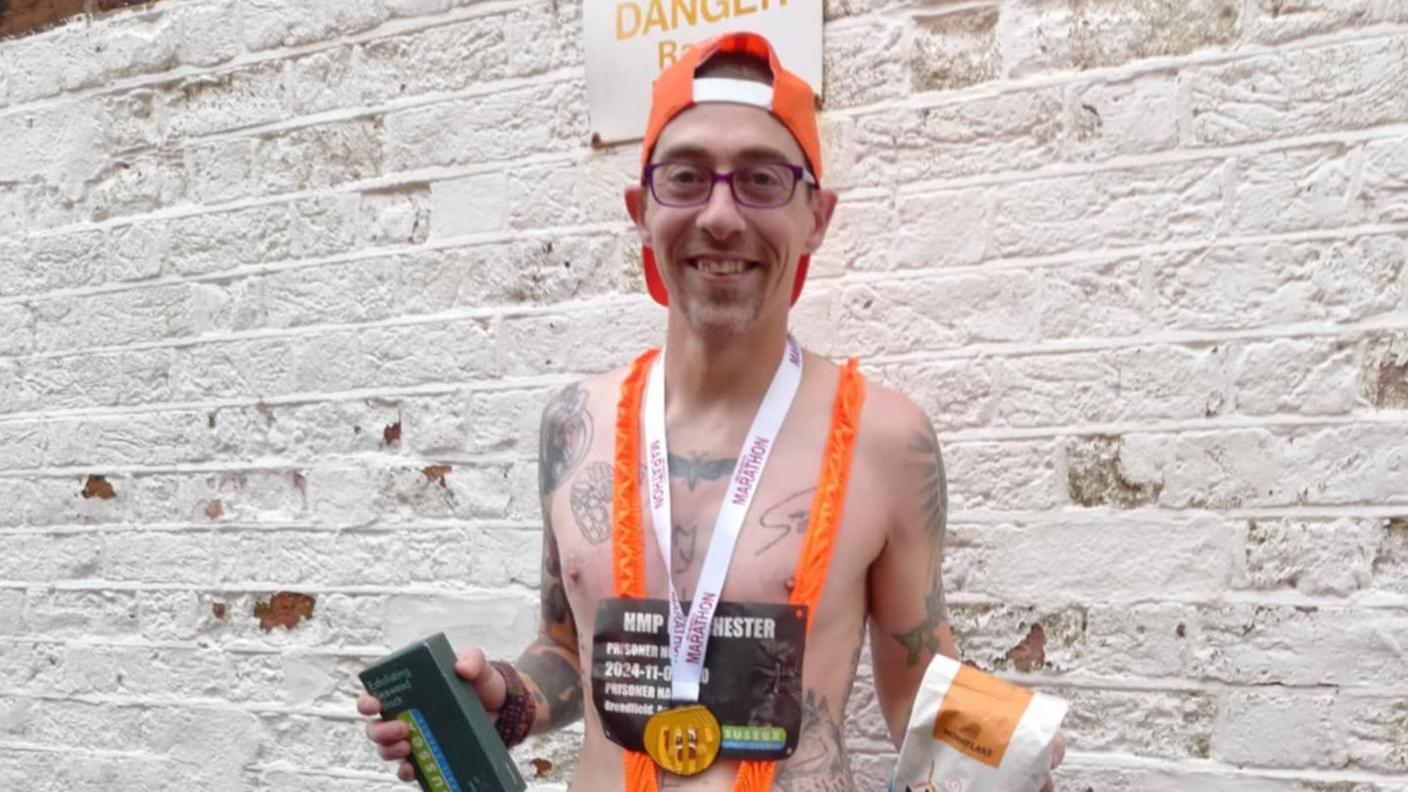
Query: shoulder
x,y
576,426
597,393
892,424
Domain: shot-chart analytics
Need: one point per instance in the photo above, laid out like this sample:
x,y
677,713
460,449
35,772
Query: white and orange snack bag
x,y
972,732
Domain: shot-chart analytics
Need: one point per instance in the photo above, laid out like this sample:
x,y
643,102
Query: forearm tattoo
x,y
820,763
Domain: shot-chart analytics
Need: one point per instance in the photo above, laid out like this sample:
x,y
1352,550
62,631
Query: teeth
x,y
721,267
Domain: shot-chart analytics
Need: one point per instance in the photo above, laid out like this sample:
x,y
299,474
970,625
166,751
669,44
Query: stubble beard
x,y
722,314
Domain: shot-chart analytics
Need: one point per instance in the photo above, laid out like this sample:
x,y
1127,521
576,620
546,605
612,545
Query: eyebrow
x,y
692,151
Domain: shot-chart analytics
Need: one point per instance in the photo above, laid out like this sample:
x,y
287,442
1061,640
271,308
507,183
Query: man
x,y
729,210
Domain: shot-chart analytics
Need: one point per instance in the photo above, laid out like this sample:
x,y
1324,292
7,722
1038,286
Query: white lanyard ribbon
x,y
689,639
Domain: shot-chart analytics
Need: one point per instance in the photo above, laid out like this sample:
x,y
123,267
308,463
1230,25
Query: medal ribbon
x,y
689,637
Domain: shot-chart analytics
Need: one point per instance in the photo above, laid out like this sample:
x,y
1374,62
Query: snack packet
x,y
972,732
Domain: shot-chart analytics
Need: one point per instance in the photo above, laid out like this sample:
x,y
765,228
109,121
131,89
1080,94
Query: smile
x,y
721,266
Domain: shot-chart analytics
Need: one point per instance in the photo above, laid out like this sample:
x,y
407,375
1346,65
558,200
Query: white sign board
x,y
628,42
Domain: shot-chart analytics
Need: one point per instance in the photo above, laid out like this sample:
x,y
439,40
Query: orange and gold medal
x,y
684,740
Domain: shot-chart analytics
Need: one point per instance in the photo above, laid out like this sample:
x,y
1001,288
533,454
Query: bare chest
x,y
764,563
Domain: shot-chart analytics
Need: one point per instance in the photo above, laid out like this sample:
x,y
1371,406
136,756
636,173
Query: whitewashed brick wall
x,y
284,284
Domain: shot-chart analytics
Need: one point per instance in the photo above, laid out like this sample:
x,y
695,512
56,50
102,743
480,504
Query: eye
x,y
684,175
764,177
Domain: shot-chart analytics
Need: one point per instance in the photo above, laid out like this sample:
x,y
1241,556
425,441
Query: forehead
x,y
726,131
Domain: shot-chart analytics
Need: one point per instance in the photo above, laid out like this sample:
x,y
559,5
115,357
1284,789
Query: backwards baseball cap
x,y
789,99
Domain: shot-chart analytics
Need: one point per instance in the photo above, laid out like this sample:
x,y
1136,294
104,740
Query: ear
x,y
635,206
823,207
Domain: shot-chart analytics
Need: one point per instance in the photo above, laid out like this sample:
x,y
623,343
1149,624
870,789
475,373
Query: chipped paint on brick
x,y
1030,653
1095,476
1384,378
218,610
391,435
214,509
285,609
955,50
437,473
98,487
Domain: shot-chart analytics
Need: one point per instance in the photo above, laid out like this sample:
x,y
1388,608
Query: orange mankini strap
x,y
628,543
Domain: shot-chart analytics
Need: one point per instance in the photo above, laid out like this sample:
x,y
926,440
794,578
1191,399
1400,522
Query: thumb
x,y
473,667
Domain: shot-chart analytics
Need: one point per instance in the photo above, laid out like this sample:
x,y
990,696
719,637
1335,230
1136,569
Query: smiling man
x,y
724,520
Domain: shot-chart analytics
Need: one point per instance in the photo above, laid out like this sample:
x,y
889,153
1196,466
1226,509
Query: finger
x,y
406,772
1049,786
368,705
1058,751
387,732
471,665
397,750
474,668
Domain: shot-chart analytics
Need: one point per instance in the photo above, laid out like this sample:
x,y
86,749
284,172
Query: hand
x,y
1058,755
393,737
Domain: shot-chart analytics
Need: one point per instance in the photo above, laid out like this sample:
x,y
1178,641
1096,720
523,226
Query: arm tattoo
x,y
558,680
790,516
564,438
921,642
546,660
820,763
929,466
695,469
591,501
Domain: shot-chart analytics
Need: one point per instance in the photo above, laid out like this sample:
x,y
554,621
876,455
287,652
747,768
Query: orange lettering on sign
x,y
624,10
655,18
720,10
740,8
668,54
688,9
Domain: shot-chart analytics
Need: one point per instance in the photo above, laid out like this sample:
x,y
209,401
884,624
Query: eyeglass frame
x,y
800,175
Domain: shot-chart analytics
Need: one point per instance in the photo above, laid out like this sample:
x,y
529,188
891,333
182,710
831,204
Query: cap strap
x,y
722,89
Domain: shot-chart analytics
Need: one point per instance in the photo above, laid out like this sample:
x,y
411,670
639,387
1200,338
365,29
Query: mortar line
x,y
610,228
377,460
1178,155
1124,72
432,245
390,28
1178,426
1119,760
386,529
458,592
1362,602
384,461
1393,321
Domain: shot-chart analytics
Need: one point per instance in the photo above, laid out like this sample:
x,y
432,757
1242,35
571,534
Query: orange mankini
x,y
628,547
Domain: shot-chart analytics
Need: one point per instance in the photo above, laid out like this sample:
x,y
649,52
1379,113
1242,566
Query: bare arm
x,y
550,666
909,623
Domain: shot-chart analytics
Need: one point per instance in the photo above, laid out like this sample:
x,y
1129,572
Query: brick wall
x,y
284,284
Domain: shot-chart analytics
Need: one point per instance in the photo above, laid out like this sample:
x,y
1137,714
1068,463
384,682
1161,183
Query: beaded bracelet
x,y
519,710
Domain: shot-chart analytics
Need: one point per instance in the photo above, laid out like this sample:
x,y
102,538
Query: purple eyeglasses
x,y
761,186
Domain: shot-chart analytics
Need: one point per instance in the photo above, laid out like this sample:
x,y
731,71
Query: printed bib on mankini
x,y
628,559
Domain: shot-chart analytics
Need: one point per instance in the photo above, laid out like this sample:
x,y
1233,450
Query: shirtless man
x,y
729,210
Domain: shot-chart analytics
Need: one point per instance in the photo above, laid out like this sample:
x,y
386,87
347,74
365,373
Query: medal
x,y
684,740
687,739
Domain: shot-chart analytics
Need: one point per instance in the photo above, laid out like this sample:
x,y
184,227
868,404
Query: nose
x,y
721,217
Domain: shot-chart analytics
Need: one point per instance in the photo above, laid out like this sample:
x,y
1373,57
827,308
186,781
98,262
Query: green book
x,y
454,745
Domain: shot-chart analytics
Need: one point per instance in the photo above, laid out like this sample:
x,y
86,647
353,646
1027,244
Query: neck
x,y
705,372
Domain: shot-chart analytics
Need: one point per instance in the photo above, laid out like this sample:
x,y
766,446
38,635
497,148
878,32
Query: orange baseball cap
x,y
790,100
